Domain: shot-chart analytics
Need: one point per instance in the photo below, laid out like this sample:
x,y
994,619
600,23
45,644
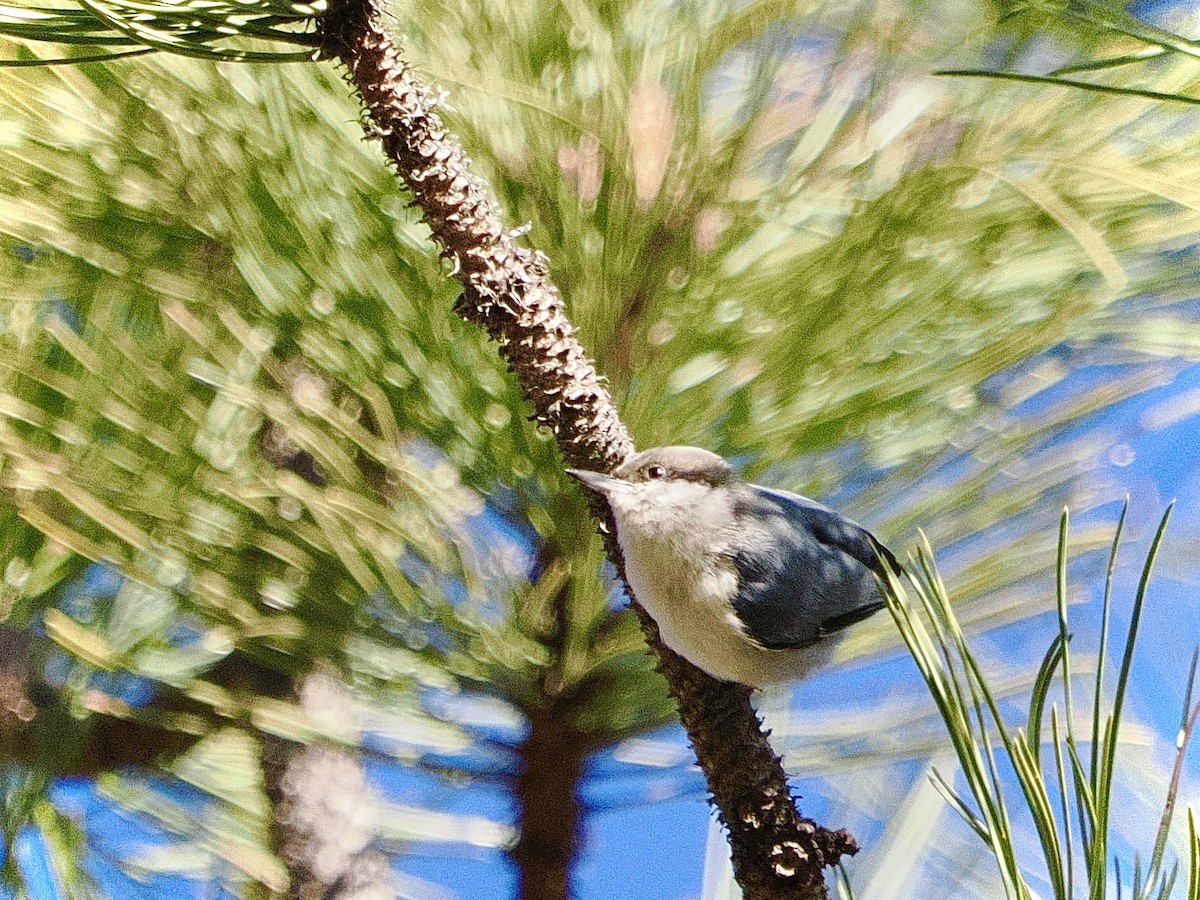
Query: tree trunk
x,y
548,804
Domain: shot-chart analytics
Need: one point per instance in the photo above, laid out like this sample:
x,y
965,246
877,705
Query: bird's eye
x,y
656,472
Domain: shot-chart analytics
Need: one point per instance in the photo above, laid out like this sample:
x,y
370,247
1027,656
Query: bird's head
x,y
658,490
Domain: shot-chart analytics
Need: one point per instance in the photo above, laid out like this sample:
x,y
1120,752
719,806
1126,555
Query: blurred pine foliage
x,y
230,373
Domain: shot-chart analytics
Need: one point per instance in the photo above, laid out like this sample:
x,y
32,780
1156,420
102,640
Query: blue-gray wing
x,y
810,572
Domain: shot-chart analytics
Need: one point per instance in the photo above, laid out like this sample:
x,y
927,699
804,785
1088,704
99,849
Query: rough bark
x,y
776,852
547,799
506,286
507,290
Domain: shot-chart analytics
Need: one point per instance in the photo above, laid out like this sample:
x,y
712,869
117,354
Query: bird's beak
x,y
597,482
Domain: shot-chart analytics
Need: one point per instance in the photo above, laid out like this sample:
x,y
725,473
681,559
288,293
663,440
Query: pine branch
x,y
507,290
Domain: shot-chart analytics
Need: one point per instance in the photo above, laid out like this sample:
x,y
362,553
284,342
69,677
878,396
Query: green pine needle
x,y
1049,795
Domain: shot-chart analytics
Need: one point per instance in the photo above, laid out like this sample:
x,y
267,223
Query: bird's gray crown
x,y
676,463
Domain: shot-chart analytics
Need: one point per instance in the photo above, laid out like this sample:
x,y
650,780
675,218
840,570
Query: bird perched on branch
x,y
748,583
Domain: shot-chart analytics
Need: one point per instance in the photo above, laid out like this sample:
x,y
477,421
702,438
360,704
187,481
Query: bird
x,y
750,584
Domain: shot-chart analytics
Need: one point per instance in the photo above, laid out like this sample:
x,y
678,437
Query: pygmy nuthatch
x,y
745,582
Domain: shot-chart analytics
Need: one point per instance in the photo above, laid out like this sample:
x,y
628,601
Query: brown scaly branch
x,y
507,290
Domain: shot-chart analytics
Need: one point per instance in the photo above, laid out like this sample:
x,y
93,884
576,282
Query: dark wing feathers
x,y
813,572
837,623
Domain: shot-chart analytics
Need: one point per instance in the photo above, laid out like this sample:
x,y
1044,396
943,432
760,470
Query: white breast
x,y
682,585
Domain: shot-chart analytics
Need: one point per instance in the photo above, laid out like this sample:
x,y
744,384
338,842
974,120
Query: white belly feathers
x,y
685,600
